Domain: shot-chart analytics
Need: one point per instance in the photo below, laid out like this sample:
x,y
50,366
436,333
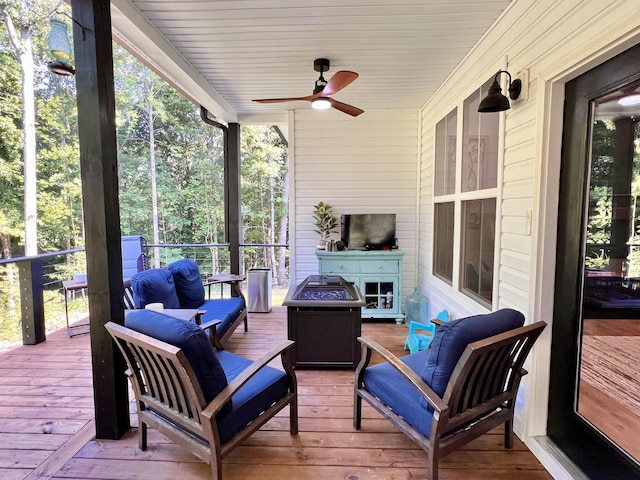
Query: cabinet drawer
x,y
338,266
379,266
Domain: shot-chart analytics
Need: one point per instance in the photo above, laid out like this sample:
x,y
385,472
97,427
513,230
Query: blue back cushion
x,y
452,338
189,287
132,255
154,286
189,338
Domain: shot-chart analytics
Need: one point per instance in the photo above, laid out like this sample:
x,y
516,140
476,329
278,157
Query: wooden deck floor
x,y
46,426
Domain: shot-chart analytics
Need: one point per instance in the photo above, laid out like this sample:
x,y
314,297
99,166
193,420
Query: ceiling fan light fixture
x,y
630,100
323,91
321,103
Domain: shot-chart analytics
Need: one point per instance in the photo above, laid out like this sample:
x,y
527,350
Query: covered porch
x,y
48,431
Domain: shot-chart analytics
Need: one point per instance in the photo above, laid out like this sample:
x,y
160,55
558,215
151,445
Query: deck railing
x,y
32,297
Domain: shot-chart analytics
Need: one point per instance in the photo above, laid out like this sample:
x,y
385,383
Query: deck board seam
x,y
66,452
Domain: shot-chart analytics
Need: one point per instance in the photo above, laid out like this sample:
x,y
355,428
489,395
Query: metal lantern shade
x,y
495,101
60,48
59,45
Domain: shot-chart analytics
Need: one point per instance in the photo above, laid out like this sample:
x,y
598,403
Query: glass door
x,y
608,394
594,395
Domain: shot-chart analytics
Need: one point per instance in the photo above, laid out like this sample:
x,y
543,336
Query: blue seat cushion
x,y
452,338
189,287
224,309
257,395
154,286
395,391
191,339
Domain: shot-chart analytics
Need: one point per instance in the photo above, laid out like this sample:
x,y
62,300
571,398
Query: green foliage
x,y
189,168
601,194
324,220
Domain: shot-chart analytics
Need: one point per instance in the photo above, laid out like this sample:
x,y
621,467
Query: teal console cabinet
x,y
378,275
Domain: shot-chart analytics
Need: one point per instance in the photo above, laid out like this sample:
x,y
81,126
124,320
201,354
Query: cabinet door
x,y
380,295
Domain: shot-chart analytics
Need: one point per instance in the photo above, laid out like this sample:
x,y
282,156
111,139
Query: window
x,y
478,232
465,198
446,137
443,241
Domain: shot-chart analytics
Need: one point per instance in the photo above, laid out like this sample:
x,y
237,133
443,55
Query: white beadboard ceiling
x,y
224,53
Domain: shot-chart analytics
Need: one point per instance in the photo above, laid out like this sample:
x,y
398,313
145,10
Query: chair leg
x,y
433,470
433,465
142,435
293,417
216,468
508,434
357,412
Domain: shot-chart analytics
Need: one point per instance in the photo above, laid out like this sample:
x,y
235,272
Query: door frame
x,y
578,439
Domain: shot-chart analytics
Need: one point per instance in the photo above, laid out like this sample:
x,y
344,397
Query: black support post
x,y
232,181
99,174
32,301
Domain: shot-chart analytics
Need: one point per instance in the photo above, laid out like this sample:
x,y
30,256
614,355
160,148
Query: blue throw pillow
x,y
189,287
191,339
452,338
154,286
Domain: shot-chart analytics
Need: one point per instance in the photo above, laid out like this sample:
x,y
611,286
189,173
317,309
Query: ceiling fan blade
x,y
276,100
339,80
343,107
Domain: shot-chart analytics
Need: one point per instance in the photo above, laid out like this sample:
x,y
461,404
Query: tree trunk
x,y
271,252
24,50
154,187
5,241
284,223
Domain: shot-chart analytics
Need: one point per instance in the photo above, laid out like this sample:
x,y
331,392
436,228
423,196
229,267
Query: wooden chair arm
x,y
232,280
223,397
437,322
210,326
236,291
425,390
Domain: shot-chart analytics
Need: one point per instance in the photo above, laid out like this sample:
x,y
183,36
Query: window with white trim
x,y
465,198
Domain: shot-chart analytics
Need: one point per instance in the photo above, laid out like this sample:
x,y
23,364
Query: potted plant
x,y
325,222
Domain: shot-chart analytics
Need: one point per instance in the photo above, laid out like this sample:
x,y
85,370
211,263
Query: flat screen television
x,y
372,231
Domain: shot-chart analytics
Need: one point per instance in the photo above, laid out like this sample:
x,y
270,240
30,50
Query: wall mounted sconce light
x,y
495,101
60,47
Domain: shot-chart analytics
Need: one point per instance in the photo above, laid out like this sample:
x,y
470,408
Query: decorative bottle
x,y
416,308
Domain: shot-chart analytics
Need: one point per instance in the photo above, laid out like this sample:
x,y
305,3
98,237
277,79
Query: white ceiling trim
x,y
133,31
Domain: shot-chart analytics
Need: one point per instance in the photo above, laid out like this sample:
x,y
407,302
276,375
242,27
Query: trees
x,y
19,18
174,162
264,197
170,163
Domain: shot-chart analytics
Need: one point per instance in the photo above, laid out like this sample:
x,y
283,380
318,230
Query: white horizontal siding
x,y
555,41
533,36
366,164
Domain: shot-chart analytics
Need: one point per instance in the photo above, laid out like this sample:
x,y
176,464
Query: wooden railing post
x,y
32,301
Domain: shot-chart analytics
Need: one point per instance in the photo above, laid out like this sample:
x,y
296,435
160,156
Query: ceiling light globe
x,y
321,103
629,100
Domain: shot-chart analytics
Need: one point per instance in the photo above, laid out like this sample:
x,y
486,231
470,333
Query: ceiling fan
x,y
323,91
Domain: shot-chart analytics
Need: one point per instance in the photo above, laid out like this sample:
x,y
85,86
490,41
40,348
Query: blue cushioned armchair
x,y
461,387
209,401
180,286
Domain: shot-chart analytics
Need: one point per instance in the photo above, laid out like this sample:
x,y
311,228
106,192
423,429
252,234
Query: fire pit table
x,y
324,319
